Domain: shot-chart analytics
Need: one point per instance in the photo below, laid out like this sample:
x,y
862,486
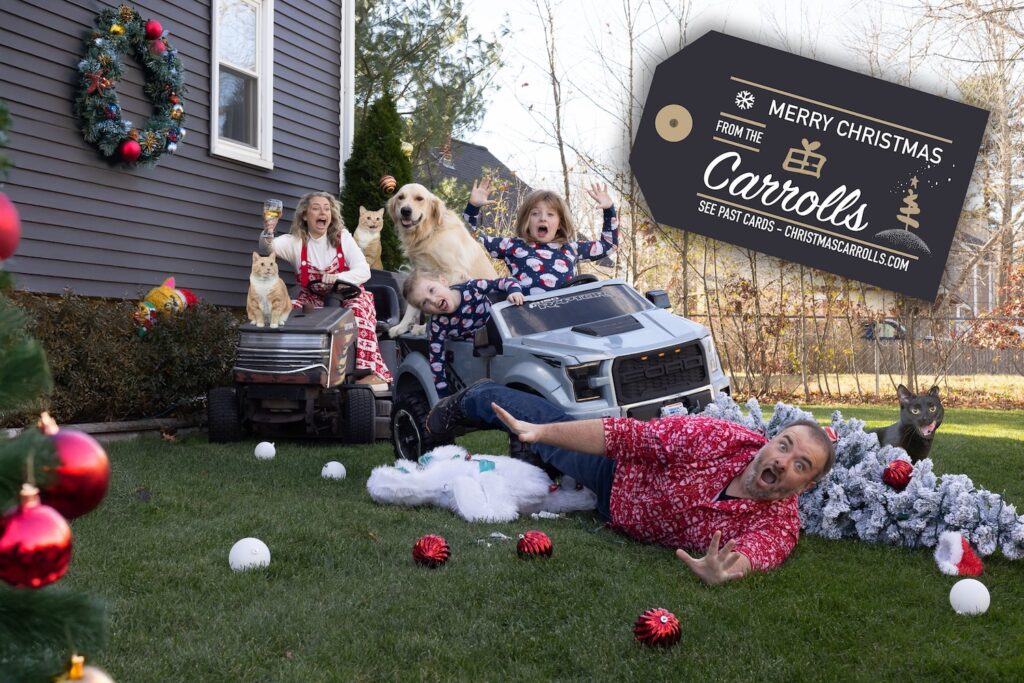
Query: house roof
x,y
466,164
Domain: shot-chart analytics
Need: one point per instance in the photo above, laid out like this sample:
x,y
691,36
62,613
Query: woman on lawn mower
x,y
325,256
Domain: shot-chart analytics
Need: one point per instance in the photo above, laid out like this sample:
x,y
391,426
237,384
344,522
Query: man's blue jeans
x,y
596,472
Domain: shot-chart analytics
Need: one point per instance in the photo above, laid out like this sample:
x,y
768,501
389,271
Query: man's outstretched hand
x,y
717,566
527,432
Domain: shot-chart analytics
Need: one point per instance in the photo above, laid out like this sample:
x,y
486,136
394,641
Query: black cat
x,y
920,417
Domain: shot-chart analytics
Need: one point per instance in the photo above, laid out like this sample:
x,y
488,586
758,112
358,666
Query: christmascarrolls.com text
x,y
842,246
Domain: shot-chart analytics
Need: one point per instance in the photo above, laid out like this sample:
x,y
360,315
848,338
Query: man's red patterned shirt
x,y
669,474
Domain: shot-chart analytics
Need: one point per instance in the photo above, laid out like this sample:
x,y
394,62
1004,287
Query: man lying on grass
x,y
682,482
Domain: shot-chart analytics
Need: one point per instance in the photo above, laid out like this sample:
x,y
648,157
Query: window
x,y
242,81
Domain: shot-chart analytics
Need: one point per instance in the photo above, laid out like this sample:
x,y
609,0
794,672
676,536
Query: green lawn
x,y
342,599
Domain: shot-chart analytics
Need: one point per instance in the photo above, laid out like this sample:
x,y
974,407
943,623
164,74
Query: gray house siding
x,y
104,230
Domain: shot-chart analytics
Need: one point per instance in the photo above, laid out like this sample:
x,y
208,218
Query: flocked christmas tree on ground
x,y
46,475
376,152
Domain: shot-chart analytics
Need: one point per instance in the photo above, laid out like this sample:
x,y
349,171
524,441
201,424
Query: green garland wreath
x,y
118,33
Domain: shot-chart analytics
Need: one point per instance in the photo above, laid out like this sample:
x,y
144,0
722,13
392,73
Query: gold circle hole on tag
x,y
673,123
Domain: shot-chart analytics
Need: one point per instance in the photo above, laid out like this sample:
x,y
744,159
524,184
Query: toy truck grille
x,y
303,354
659,373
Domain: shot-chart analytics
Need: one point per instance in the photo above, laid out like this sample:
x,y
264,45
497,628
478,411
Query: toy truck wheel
x,y
222,421
360,416
409,427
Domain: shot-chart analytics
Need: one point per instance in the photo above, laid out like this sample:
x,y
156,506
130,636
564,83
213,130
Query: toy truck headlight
x,y
714,365
581,375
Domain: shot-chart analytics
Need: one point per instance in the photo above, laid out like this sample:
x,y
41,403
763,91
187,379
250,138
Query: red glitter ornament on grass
x,y
534,544
897,474
430,551
657,627
79,482
35,542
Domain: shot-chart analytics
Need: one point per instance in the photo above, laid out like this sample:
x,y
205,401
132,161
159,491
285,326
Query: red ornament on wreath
x,y
10,227
129,151
897,474
153,29
35,543
657,627
157,47
534,544
430,551
79,482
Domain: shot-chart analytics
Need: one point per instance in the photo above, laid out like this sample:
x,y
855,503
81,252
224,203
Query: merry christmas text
x,y
855,130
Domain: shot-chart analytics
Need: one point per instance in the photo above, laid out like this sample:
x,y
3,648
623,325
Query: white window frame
x,y
262,155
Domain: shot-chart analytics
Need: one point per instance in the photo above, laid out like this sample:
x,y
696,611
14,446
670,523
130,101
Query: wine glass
x,y
272,208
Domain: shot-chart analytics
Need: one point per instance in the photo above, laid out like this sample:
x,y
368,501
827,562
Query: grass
x,y
343,601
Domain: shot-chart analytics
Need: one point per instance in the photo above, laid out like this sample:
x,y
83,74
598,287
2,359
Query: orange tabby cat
x,y
268,296
367,235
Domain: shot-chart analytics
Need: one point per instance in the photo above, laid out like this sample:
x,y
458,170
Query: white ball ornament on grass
x,y
249,553
265,450
969,596
333,470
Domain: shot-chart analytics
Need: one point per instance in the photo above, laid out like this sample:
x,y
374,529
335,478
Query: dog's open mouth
x,y
409,222
928,429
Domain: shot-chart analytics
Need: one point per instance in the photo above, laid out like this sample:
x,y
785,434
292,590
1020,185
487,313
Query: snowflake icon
x,y
744,99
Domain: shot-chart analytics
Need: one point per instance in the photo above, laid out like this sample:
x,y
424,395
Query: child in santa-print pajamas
x,y
544,253
456,311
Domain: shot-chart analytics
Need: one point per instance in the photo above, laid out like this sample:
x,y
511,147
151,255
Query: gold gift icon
x,y
806,160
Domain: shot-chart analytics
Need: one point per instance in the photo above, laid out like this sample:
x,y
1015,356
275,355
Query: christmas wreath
x,y
118,33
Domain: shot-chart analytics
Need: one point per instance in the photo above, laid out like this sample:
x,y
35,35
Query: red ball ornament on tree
x,y
388,184
153,29
657,627
129,151
10,227
79,482
35,543
430,551
158,47
534,544
897,474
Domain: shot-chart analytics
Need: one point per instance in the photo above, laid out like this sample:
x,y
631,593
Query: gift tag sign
x,y
808,162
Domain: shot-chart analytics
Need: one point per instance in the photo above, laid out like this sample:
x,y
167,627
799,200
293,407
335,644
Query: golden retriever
x,y
434,238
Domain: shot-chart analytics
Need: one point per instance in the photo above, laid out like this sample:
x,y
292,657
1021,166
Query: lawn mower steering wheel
x,y
581,279
340,291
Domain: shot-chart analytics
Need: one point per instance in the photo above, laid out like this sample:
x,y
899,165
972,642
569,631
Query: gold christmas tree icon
x,y
902,238
806,160
910,207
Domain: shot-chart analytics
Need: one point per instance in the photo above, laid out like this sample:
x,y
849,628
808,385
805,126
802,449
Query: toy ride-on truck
x,y
299,379
595,349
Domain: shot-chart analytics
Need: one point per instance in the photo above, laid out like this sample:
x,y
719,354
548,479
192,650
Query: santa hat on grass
x,y
955,556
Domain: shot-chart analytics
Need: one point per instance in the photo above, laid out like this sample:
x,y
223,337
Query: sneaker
x,y
447,414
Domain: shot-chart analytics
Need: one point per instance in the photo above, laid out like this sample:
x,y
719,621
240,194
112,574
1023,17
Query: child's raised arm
x,y
479,197
596,250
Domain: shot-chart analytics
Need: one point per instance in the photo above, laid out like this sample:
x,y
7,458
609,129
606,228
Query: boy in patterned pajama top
x,y
456,311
